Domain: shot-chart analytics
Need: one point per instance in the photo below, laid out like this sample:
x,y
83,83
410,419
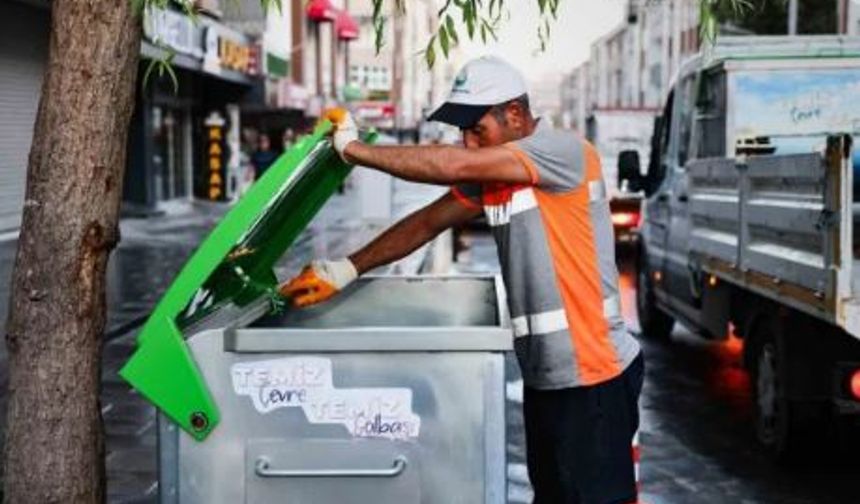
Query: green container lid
x,y
233,266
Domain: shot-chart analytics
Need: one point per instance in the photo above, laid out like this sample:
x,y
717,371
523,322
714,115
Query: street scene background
x,y
249,83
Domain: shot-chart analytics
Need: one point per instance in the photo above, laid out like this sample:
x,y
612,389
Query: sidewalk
x,y
150,254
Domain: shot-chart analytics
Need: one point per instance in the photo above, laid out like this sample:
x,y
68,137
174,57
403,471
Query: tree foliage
x,y
770,17
482,18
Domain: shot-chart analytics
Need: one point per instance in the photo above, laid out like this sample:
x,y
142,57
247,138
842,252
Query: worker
x,y
543,195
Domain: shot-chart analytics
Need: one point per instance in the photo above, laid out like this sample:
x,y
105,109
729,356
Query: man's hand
x,y
319,281
345,129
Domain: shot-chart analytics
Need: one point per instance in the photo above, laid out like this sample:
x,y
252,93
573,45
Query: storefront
x,y
24,33
171,142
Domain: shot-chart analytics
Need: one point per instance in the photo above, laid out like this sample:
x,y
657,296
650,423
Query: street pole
x,y
346,68
397,72
792,17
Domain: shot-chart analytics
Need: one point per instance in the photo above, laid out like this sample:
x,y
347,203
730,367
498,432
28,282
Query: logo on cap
x,y
460,82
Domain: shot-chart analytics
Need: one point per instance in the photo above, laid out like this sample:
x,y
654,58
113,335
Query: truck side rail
x,y
779,225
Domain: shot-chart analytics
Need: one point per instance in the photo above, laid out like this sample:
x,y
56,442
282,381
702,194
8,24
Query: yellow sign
x,y
234,56
216,179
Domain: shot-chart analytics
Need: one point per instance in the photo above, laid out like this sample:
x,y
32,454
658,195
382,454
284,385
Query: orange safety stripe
x,y
593,169
464,200
569,231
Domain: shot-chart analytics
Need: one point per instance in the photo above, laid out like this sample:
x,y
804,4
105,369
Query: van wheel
x,y
778,425
655,322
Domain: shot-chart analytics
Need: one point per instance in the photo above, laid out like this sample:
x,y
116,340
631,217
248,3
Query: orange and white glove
x,y
345,129
319,281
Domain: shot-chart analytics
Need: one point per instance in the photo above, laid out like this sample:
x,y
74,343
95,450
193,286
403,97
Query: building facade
x,y
575,95
393,89
633,65
184,140
237,69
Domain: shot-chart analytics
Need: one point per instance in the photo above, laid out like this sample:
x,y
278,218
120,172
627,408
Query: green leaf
x,y
452,30
189,10
379,27
444,8
741,7
708,21
430,53
138,6
377,10
469,18
499,10
267,5
443,40
491,30
483,33
149,68
168,65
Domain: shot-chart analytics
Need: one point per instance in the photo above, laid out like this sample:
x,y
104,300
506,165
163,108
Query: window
x,y
709,133
684,105
660,142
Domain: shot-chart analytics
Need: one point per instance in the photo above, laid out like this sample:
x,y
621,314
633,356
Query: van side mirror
x,y
629,170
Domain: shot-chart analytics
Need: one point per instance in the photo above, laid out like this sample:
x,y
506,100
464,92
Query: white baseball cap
x,y
480,84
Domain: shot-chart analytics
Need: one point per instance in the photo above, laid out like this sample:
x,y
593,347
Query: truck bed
x,y
781,226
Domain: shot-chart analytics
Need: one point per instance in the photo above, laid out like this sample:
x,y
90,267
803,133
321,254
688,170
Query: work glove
x,y
319,281
345,129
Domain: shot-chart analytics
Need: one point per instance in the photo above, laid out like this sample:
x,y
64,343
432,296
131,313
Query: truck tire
x,y
779,427
655,323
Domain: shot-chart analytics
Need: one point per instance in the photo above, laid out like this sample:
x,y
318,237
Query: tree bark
x,y
54,450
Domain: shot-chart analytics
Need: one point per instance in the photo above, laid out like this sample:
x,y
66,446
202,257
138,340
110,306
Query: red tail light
x,y
854,384
625,219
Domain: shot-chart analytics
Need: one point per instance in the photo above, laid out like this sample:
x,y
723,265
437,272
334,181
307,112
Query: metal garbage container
x,y
392,393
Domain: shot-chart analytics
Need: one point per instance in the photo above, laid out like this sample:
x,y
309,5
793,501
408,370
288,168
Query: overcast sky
x,y
579,23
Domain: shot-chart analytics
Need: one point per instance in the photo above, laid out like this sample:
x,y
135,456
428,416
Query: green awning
x,y
276,66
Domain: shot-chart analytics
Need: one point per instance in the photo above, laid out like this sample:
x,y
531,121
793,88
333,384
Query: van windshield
x,y
792,111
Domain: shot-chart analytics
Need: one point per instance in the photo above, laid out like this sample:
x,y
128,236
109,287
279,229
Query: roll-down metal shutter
x,y
24,31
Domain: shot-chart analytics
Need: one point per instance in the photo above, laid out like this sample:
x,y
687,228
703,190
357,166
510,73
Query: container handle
x,y
263,469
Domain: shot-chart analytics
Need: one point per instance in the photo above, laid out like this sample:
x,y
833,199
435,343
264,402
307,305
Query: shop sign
x,y
371,110
172,29
379,114
215,156
225,50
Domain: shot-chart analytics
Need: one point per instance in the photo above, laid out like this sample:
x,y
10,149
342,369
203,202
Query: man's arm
x,y
444,165
412,232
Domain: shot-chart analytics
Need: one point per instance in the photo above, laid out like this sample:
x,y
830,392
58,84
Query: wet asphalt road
x,y
697,438
697,441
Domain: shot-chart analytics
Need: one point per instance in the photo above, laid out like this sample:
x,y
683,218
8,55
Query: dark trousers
x,y
578,440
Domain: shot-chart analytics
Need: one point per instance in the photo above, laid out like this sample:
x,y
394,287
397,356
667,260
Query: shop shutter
x,y
24,34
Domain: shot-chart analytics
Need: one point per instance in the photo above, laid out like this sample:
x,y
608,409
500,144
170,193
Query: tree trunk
x,y
54,438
